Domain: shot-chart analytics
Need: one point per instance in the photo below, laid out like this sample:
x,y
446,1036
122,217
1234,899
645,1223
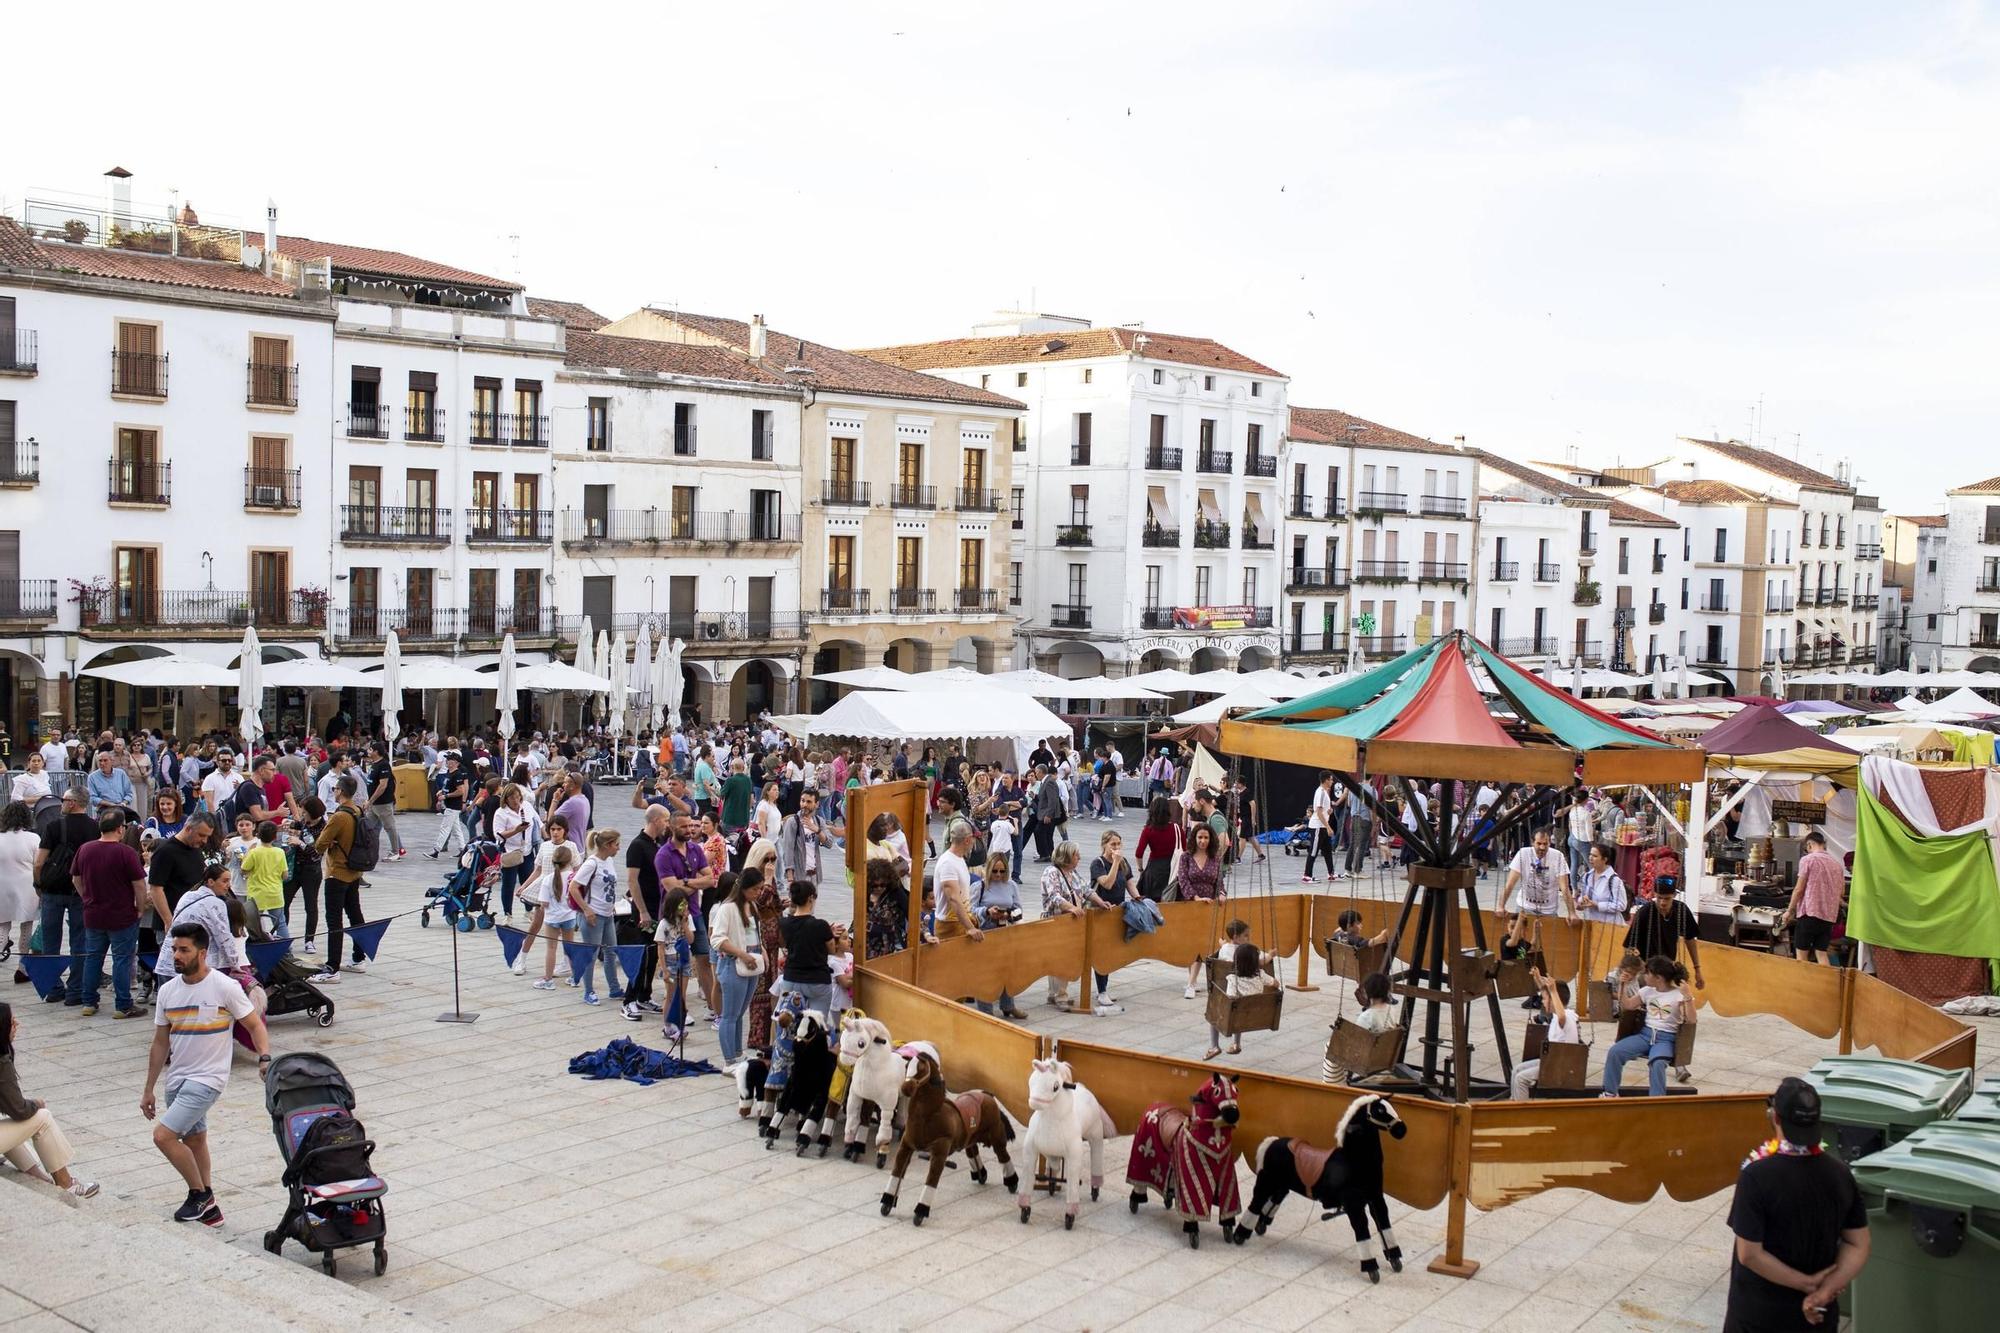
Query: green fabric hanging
x,y
1364,723
1927,895
1349,695
1567,722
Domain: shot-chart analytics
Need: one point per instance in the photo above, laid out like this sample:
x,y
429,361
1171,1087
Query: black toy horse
x,y
1346,1179
805,1092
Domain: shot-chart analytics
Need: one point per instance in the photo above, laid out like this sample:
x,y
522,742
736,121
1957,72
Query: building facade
x,y
1145,522
905,481
1955,607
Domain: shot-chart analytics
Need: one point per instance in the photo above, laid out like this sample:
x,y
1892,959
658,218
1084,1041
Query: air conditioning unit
x,y
733,626
269,497
711,629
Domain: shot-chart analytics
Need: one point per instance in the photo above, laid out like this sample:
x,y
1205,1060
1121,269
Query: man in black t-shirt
x,y
642,880
178,865
1661,926
1801,1229
381,789
53,870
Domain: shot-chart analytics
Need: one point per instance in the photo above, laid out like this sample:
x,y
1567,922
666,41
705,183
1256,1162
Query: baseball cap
x,y
1667,884
1796,1104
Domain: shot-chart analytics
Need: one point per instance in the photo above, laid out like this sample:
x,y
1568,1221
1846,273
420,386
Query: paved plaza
x,y
523,1196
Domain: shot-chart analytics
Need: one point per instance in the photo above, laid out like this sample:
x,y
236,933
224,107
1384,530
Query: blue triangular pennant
x,y
46,971
511,940
368,935
264,954
581,958
631,957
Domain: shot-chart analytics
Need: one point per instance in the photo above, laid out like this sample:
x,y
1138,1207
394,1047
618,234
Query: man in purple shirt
x,y
575,807
682,867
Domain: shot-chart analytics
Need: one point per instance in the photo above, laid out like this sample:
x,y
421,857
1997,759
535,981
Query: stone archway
x,y
1160,659
1255,658
759,686
912,655
1210,659
1076,660
833,655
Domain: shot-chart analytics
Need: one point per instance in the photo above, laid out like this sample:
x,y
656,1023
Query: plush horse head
x,y
1374,1112
1046,1081
810,1026
924,1071
1216,1100
790,1006
857,1033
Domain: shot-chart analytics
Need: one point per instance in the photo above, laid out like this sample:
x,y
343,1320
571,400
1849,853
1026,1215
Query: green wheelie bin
x,y
1934,1231
1868,1102
1983,1106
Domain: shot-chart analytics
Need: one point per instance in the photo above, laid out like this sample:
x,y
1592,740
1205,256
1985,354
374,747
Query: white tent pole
x,y
1694,861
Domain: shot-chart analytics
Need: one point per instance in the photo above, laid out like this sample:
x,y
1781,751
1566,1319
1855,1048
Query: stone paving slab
x,y
519,1192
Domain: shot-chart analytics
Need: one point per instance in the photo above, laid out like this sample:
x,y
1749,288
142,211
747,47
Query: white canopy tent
x,y
1042,685
1166,681
549,677
439,673
166,672
927,715
1280,685
1212,711
304,673
869,678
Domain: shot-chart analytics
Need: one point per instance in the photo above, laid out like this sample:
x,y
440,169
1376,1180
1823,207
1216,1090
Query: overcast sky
x,y
1545,227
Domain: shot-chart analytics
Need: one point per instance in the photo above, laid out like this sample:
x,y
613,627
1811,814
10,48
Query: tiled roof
x,y
1625,512
576,317
17,248
834,370
1991,486
369,262
1926,520
1069,345
602,351
1774,465
1326,425
1717,493
1542,481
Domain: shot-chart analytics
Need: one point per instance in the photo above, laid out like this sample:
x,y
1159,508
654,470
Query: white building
x,y
1145,513
1379,538
1955,611
677,498
164,458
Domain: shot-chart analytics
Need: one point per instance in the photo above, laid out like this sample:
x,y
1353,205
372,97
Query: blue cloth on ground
x,y
626,1059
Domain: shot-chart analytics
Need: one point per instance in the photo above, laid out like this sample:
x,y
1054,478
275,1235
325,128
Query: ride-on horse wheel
x,y
1193,1230
1069,1221
1138,1197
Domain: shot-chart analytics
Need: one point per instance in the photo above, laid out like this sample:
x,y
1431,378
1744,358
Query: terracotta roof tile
x,y
1775,465
361,259
17,248
1926,520
576,317
1326,425
1069,345
1567,490
832,369
1991,486
1623,511
646,355
1717,493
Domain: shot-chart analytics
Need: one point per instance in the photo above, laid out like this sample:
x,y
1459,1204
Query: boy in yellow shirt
x,y
264,880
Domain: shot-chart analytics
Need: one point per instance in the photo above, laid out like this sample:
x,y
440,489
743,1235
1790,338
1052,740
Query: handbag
x,y
752,966
512,858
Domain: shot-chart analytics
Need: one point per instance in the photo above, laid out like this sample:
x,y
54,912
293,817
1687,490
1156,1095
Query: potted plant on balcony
x,y
1587,593
89,597
313,600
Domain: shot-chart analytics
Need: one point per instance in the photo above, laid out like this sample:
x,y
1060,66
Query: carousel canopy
x,y
1422,714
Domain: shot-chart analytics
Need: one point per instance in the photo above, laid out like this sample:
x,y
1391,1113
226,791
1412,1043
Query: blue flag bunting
x,y
511,940
368,935
264,955
581,957
630,958
625,1059
45,970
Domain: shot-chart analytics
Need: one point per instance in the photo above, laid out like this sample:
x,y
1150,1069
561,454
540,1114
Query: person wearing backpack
x,y
60,901
349,845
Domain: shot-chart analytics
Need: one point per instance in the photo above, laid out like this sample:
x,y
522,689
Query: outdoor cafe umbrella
x,y
506,688
676,683
250,689
615,670
656,686
602,666
392,688
642,675
584,660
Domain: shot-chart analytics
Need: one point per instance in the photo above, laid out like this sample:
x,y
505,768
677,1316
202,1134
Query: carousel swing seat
x,y
1361,1052
1353,961
1234,1015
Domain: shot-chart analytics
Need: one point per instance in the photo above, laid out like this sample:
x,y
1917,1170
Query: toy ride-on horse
x,y
1189,1156
874,1085
942,1124
1067,1121
1346,1178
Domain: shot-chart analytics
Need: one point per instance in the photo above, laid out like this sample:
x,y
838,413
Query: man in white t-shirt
x,y
951,885
55,755
1537,886
1319,822
221,784
192,1020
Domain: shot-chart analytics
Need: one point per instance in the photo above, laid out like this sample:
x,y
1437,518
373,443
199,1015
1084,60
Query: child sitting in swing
x,y
1246,977
1377,1016
1562,1028
1236,933
1349,931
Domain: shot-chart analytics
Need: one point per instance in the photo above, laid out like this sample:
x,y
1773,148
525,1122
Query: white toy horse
x,y
1065,1118
877,1083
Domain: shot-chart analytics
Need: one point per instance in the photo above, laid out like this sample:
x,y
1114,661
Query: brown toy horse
x,y
941,1124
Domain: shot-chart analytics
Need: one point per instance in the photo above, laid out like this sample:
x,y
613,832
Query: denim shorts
x,y
701,934
188,1104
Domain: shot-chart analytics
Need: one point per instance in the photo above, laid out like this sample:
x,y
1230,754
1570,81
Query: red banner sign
x,y
1213,617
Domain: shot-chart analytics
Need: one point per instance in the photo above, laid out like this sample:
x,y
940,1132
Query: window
x,y
1256,388
485,498
840,468
1078,588
1014,583
485,410
1208,383
270,483
681,515
483,598
140,476
1019,436
1722,546
684,430
1253,442
1687,543
1017,504
972,475
528,412
1684,594
1156,437
364,497
840,563
971,564
420,495
364,594
1079,448
271,585
527,599
761,589
1020,379
1153,585
1930,567
1201,575
598,591
1250,586
597,511
1624,555
985,381
1079,505
909,561
1930,622
767,516
138,369
1207,435
527,500
1086,374
597,426
271,372
762,448
1159,376
909,465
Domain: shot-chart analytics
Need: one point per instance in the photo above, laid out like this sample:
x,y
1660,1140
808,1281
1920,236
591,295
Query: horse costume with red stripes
x,y
1189,1157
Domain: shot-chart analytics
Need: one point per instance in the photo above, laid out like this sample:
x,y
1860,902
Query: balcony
x,y
1073,534
1547,573
1316,581
134,483
1381,571
1381,502
1867,550
1381,645
134,375
27,601
1211,536
684,439
1590,650
1544,646
1161,458
18,355
271,386
1867,601
1587,594
1989,537
522,428
1436,571
497,622
977,501
1260,465
20,463
1153,534
651,527
1302,507
1656,614
370,624
1069,615
1659,563
1865,653
1215,460
1335,507
1259,539
395,525
913,497
1839,597
1714,603
1777,604
1506,571
271,490
367,421
210,609
976,601
1823,597
844,603
913,601
844,493
509,527
1442,506
1079,454
1709,655
423,425
1586,545
1317,643
1156,617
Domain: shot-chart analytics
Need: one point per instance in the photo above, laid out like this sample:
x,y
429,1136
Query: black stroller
x,y
289,990
334,1197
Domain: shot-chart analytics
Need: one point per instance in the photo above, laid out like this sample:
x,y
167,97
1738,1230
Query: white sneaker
x,y
358,965
546,983
631,1013
1105,997
1188,994
520,968
311,947
83,1189
327,979
507,920
1305,879
1107,1010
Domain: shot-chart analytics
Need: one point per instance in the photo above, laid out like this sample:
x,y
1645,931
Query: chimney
x,y
270,235
119,207
1458,441
756,337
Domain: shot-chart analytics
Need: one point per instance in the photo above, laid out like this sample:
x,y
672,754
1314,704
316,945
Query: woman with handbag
x,y
1200,880
510,830
733,933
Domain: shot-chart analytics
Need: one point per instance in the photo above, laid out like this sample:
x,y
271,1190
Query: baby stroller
x,y
289,990
333,1196
463,898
